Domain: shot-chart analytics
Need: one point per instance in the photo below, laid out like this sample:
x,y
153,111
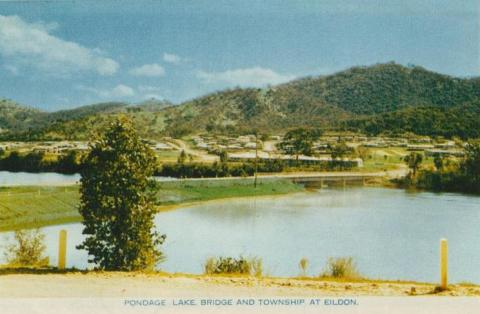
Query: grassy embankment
x,y
391,158
37,206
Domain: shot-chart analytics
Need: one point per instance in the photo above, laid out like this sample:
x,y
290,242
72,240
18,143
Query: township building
x,y
290,159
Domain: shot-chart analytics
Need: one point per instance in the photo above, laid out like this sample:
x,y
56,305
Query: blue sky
x,y
58,54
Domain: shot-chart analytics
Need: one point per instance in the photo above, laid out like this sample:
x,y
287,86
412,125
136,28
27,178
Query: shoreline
x,y
165,208
70,218
70,215
133,284
392,173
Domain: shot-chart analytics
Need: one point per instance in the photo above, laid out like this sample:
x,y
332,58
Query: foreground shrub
x,y
230,265
27,250
303,265
342,267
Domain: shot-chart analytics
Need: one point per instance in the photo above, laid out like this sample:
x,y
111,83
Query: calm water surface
x,y
8,178
392,234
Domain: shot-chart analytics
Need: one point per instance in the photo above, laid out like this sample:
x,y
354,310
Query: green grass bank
x,y
38,206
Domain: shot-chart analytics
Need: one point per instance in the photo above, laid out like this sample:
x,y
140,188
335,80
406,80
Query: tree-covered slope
x,y
461,120
241,110
15,117
383,98
77,123
386,87
389,91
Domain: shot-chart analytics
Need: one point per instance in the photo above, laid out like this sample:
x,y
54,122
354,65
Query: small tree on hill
x,y
438,162
223,156
340,150
182,157
299,141
413,162
117,201
471,163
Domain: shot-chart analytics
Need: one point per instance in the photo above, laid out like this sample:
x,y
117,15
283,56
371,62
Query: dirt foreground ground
x,y
117,284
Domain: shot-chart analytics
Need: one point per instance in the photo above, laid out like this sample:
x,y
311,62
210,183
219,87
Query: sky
x,y
64,54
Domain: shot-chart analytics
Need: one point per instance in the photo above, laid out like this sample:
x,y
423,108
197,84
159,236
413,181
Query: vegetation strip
x,y
32,206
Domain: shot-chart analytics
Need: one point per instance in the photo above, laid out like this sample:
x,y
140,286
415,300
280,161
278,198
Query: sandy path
x,y
199,154
128,284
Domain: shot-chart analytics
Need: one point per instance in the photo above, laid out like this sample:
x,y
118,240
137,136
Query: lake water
x,y
8,178
391,233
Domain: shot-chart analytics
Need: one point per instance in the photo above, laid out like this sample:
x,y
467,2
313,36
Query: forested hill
x,y
14,117
24,123
387,87
361,99
460,120
384,98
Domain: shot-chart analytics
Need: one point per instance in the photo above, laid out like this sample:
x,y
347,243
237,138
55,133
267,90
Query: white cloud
x,y
31,44
148,70
172,58
249,77
118,92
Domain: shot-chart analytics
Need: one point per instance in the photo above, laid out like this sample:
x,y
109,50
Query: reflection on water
x,y
390,233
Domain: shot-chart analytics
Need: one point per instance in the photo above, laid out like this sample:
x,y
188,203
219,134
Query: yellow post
x,y
443,263
62,249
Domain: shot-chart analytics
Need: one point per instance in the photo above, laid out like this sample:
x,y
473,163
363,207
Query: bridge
x,y
313,178
322,179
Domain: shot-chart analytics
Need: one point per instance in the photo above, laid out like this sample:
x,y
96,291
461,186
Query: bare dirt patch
x,y
117,284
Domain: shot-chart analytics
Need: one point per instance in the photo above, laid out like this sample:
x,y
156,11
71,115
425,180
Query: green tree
x,y
69,163
362,152
340,150
438,162
413,162
182,157
471,164
299,141
223,156
33,161
117,201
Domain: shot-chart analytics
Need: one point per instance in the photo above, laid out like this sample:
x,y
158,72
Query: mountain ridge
x,y
369,99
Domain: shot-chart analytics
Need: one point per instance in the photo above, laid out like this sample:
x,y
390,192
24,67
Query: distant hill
x,y
84,111
336,101
383,98
151,105
386,87
15,117
460,120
